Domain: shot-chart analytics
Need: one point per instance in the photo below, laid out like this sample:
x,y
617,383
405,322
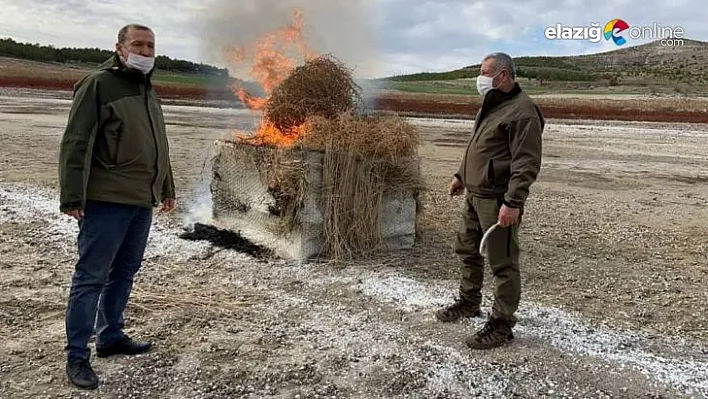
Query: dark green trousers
x,y
502,247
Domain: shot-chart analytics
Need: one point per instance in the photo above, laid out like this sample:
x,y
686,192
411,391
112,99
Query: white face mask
x,y
485,84
139,62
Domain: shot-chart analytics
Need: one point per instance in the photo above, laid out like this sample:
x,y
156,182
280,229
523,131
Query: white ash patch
x,y
23,203
568,333
26,203
355,344
558,328
191,110
562,330
442,122
449,371
408,294
331,280
363,346
34,100
165,242
246,266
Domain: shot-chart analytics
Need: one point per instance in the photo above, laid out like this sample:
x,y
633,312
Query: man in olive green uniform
x,y
502,161
114,168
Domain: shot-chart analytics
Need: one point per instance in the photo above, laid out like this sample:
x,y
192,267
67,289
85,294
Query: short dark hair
x,y
123,32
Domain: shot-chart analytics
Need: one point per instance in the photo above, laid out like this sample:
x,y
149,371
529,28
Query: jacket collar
x,y
496,96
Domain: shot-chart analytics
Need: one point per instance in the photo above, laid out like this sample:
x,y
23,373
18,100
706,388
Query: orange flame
x,y
270,66
267,133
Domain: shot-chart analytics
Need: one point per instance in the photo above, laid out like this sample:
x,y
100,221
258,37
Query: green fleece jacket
x,y
503,156
115,145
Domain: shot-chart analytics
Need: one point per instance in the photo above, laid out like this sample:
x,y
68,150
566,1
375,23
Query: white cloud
x,y
377,37
83,23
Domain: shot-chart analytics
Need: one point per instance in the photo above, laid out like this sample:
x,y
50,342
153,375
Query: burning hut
x,y
316,178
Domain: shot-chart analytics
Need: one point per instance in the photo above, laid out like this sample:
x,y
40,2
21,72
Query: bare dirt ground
x,y
615,272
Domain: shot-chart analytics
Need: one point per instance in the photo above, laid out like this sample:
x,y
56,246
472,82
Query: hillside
x,y
649,66
691,58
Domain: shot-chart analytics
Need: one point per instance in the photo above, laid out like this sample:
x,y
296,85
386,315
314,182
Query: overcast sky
x,y
377,38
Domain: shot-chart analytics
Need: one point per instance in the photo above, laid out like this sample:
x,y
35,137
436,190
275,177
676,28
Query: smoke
x,y
199,205
344,29
199,209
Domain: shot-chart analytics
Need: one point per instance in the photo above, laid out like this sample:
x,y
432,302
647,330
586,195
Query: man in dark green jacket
x,y
502,161
114,168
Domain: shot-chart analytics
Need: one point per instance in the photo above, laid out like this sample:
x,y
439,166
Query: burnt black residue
x,y
277,208
241,207
274,210
226,239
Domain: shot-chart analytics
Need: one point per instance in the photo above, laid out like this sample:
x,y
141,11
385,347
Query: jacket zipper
x,y
477,123
157,147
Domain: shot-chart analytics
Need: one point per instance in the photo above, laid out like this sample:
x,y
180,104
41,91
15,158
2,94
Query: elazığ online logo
x,y
615,30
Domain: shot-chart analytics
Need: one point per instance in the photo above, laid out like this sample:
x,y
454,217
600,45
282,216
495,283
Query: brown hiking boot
x,y
495,333
458,310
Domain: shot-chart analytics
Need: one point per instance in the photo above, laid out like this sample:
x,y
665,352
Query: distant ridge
x,y
47,53
675,62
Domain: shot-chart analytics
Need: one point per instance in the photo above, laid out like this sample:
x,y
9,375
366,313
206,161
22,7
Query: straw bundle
x,y
366,158
322,87
286,175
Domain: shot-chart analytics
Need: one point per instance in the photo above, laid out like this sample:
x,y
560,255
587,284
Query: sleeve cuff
x,y
509,204
70,205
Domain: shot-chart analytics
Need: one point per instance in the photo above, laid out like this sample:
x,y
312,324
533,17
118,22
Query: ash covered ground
x,y
614,279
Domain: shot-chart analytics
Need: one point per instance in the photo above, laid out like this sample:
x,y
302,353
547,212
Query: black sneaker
x,y
495,333
458,310
126,346
81,374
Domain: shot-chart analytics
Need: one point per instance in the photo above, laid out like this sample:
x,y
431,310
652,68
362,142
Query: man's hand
x,y
508,216
77,214
456,187
168,205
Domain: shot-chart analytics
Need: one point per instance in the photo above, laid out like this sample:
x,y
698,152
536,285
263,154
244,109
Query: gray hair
x,y
123,32
503,61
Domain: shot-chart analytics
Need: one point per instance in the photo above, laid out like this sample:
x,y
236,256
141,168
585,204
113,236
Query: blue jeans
x,y
111,243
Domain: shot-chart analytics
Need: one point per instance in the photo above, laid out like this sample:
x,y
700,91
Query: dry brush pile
x,y
366,156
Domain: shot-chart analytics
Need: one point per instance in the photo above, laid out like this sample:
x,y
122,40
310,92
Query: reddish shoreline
x,y
592,109
572,111
165,91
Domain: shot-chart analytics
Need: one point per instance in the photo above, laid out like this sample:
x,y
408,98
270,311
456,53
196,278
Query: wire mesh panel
x,y
247,199
398,219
